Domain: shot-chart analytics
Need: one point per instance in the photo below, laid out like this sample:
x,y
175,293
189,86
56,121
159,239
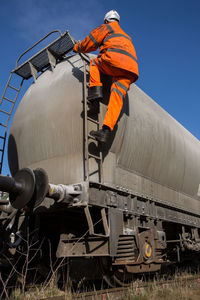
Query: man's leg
x,y
119,88
95,84
121,84
118,92
94,74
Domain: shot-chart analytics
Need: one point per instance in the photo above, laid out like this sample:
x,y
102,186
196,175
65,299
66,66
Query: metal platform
x,y
46,57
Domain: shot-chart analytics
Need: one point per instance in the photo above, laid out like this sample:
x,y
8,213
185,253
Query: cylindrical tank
x,y
149,152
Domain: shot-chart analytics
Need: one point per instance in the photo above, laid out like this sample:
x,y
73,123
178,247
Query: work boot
x,y
101,135
95,92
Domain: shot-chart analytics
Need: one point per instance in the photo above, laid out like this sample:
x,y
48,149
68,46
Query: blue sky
x,y
166,35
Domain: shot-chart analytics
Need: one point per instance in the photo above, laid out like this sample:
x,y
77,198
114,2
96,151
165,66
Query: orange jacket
x,y
115,45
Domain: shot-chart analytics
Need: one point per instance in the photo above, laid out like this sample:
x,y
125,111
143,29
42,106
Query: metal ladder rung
x,y
91,137
1,124
14,88
1,150
100,235
94,172
92,120
94,156
8,100
2,137
5,112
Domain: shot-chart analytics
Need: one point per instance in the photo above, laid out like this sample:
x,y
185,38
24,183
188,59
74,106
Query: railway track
x,y
135,288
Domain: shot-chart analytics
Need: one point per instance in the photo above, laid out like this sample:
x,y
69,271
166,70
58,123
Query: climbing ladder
x,y
47,57
88,155
87,137
7,104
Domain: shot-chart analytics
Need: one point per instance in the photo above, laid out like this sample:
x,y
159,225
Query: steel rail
x,y
42,39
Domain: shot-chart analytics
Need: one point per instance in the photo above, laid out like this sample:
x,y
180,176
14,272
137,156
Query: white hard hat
x,y
111,16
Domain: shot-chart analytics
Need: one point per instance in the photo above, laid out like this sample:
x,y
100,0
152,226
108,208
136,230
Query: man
x,y
117,57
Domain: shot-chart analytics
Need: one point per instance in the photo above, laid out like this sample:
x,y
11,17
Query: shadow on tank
x,y
12,155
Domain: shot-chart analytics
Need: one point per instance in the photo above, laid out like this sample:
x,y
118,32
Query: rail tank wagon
x,y
133,204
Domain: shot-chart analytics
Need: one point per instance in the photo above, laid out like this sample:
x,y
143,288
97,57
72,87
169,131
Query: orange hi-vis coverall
x,y
117,57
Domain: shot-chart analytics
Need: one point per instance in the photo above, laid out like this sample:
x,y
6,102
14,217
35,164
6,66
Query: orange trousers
x,y
121,81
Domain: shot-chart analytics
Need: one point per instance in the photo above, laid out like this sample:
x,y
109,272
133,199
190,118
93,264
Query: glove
x,y
75,49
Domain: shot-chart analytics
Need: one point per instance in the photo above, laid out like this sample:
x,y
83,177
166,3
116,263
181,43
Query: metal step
x,y
46,57
94,156
5,112
13,88
8,100
91,225
91,137
92,120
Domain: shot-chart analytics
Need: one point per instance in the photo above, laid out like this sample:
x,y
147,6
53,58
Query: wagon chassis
x,y
140,205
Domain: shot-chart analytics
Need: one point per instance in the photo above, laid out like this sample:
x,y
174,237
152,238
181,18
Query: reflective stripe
x,y
93,40
121,51
117,35
110,28
93,63
118,92
121,85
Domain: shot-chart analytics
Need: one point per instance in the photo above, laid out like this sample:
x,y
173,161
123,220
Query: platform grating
x,y
58,49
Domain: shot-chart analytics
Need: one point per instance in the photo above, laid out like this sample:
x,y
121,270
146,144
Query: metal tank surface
x,y
149,152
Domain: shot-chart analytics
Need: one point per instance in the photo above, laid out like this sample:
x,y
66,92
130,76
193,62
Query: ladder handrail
x,y
42,39
85,57
86,158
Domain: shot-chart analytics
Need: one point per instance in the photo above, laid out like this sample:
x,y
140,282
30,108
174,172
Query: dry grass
x,y
185,290
37,293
